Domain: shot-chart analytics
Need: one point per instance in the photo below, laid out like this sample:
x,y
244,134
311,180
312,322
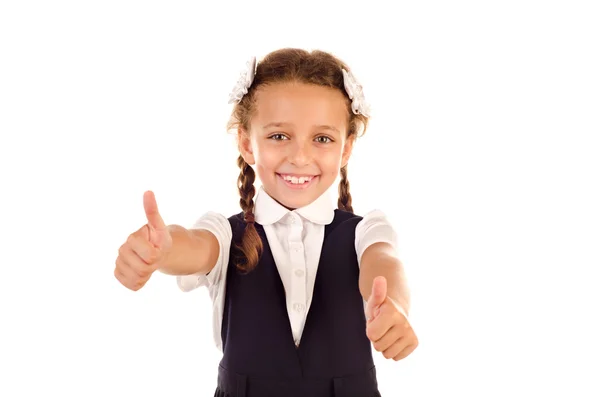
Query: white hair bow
x,y
244,82
355,92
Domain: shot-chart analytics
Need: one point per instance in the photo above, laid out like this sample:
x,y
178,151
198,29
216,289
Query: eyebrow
x,y
282,124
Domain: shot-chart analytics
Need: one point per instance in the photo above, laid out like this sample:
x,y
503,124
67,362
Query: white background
x,y
483,150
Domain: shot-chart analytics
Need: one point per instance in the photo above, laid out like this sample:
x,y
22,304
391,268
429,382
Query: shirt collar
x,y
268,211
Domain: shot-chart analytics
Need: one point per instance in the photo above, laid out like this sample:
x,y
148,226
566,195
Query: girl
x,y
300,290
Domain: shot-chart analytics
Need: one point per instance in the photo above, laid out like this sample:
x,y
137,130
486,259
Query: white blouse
x,y
295,239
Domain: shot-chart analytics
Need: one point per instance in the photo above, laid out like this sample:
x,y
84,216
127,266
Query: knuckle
x,y
397,316
137,269
122,249
138,284
152,255
131,284
137,274
119,276
143,273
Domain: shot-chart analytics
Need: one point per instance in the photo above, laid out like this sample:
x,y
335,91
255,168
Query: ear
x,y
347,151
245,146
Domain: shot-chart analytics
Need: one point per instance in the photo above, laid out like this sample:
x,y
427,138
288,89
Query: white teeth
x,y
297,180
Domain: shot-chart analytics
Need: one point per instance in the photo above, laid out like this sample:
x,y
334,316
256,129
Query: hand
x,y
145,249
387,325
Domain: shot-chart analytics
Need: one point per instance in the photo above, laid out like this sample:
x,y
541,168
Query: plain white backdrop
x,y
483,150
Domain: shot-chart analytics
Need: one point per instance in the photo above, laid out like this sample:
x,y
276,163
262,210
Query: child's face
x,y
297,141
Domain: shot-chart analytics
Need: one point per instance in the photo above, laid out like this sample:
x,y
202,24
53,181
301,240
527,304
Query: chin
x,y
293,203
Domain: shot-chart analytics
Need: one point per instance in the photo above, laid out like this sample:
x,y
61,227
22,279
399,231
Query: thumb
x,y
155,221
378,295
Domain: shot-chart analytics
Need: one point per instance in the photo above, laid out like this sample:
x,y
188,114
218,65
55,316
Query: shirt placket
x,y
298,275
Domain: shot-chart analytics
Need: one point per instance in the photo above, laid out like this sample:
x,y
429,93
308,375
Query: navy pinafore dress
x,y
334,357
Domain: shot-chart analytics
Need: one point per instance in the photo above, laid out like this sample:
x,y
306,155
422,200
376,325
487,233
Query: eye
x,y
324,139
278,137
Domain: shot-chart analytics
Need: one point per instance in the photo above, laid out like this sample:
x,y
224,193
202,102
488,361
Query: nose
x,y
300,154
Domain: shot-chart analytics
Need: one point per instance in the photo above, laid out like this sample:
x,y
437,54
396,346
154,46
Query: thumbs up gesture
x,y
387,325
145,249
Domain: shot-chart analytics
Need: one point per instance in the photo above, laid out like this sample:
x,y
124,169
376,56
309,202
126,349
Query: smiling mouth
x,y
297,180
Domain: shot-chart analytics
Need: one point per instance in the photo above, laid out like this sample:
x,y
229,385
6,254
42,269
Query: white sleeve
x,y
218,225
373,228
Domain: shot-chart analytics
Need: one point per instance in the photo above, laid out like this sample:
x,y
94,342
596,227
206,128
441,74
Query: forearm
x,y
381,260
193,251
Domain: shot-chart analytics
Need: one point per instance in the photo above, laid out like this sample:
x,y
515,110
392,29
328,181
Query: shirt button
x,y
299,307
293,220
299,273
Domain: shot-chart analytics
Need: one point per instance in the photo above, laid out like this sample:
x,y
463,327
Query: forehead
x,y
301,105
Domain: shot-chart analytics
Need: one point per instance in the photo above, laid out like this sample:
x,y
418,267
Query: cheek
x,y
266,158
331,161
267,161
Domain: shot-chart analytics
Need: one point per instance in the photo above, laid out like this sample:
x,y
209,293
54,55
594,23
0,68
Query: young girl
x,y
300,290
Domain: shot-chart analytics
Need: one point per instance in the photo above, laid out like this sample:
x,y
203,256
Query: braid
x,y
251,246
345,199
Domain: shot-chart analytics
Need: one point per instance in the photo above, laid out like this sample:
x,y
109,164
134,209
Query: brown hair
x,y
282,66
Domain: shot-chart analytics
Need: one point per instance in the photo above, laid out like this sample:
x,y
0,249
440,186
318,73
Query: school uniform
x,y
295,325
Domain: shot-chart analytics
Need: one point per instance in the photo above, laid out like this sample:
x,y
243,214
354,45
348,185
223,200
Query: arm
x,y
193,251
383,285
380,259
